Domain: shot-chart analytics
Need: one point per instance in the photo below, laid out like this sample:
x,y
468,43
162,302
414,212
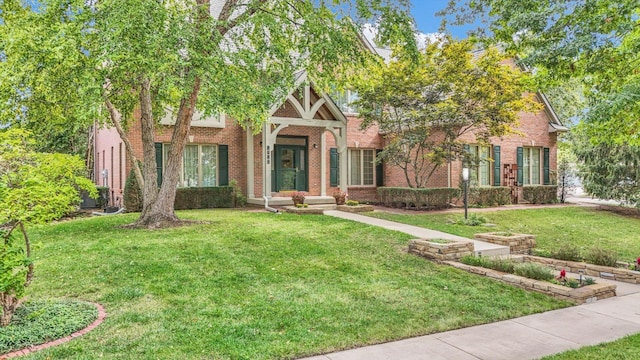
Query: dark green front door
x,y
290,168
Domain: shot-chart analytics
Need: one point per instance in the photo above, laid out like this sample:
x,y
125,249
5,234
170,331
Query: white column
x,y
342,150
323,164
266,160
250,165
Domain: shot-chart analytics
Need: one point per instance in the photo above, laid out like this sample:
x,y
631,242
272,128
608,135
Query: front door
x,y
290,168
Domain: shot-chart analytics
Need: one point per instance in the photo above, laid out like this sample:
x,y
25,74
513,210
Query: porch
x,y
286,201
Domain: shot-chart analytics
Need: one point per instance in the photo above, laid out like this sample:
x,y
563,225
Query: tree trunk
x,y
116,120
160,212
9,305
147,127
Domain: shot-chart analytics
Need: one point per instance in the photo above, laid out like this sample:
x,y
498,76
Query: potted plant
x,y
340,196
298,197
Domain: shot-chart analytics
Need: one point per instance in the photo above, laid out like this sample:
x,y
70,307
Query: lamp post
x,y
465,178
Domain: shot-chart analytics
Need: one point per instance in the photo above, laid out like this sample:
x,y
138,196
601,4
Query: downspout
x,y
266,206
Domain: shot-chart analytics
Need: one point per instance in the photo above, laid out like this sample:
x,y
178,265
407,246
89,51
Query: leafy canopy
x,y
595,42
424,108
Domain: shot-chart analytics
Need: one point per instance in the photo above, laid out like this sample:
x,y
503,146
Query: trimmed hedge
x,y
490,196
540,194
132,194
204,197
433,198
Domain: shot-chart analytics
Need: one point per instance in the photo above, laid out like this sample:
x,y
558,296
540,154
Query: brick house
x,y
312,142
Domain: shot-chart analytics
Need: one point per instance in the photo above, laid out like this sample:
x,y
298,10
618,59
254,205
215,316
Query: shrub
x,y
589,281
540,194
533,271
434,198
352,203
567,252
238,197
103,197
473,220
600,256
572,283
504,265
490,196
132,194
204,197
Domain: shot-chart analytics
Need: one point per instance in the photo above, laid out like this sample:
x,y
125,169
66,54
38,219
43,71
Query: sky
x,y
423,12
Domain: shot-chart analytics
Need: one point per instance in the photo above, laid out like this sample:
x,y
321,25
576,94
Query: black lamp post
x,y
465,178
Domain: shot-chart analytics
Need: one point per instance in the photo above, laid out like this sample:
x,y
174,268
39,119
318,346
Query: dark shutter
x,y
519,156
223,165
545,166
334,167
159,162
379,169
496,166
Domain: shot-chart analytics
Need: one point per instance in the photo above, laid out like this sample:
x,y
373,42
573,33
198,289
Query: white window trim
x,y
350,108
181,179
529,169
488,164
198,120
349,165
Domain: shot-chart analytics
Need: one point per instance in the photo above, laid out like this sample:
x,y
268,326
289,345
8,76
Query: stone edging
x,y
451,250
101,316
585,294
606,272
517,243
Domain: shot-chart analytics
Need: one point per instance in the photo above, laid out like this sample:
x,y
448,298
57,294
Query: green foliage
x,y
14,265
589,281
425,106
489,196
103,196
239,199
36,322
433,198
601,256
34,188
609,171
132,196
205,197
540,194
503,265
596,44
533,271
568,252
352,203
473,219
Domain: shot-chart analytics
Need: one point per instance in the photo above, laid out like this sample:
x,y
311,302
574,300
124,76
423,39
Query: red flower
x,y
563,273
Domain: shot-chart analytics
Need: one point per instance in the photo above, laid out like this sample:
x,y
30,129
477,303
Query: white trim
x,y
250,165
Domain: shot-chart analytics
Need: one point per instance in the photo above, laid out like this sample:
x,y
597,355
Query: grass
x,y
36,322
553,227
256,286
625,348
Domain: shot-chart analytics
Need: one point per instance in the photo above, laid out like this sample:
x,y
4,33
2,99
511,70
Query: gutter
x,y
266,206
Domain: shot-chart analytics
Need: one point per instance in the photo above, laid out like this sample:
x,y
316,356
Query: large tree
x,y
425,106
88,60
594,42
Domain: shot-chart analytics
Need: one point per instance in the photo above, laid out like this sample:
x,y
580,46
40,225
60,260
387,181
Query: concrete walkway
x,y
481,247
528,337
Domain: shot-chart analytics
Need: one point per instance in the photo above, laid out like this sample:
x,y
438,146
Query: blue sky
x,y
424,11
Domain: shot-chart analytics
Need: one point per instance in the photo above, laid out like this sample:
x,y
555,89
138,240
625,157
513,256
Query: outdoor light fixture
x,y
465,179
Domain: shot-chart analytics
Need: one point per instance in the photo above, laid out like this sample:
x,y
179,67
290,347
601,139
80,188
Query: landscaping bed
x,y
607,272
355,208
581,295
440,249
517,243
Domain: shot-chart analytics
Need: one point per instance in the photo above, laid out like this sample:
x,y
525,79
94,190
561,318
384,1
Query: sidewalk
x,y
481,247
528,337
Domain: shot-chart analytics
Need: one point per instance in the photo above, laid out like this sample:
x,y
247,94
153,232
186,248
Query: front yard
x,y
256,286
553,227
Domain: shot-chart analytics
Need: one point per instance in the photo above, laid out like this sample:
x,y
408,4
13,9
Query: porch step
x,y
286,201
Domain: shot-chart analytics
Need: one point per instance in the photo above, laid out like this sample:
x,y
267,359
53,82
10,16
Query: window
x,y
362,167
199,165
531,166
480,170
344,100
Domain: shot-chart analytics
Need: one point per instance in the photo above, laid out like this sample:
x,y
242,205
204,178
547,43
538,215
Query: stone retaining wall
x,y
355,208
452,250
585,294
618,274
517,243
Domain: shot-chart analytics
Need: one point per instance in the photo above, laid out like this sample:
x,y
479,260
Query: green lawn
x,y
256,286
625,348
553,227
